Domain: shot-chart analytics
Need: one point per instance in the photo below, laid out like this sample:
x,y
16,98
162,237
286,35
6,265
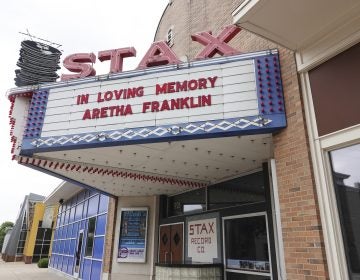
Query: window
x,y
240,191
90,237
187,203
246,247
346,177
236,192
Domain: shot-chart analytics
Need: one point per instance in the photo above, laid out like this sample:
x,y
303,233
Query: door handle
x,y
171,257
166,253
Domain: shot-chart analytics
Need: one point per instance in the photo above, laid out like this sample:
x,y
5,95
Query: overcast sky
x,y
80,26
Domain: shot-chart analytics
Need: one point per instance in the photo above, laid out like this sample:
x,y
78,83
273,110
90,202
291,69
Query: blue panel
x,y
92,192
36,113
62,264
72,247
69,231
62,247
57,261
79,210
72,215
70,265
75,230
103,204
100,225
51,261
85,209
61,230
64,232
86,271
54,246
81,196
98,247
96,270
66,246
58,220
66,217
73,200
93,206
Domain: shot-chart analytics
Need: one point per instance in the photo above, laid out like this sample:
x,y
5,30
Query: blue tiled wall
x,y
74,216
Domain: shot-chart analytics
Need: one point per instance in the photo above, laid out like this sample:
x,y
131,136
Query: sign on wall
x,y
202,240
133,235
233,95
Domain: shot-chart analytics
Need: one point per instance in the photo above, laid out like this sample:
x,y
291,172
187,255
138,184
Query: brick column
x,y
110,234
301,225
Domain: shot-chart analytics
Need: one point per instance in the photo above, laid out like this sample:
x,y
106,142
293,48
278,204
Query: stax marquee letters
x,y
158,54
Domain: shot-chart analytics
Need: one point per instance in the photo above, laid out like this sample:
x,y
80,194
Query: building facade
x,y
30,238
79,238
327,52
215,158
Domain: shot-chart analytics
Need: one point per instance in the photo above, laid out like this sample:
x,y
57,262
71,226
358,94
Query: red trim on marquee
x,y
71,168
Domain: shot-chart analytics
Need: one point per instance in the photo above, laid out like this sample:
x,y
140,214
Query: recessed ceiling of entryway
x,y
172,167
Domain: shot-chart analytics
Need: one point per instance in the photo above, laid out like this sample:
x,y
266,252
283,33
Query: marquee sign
x,y
224,96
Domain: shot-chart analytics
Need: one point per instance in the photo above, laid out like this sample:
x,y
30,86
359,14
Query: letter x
x,y
217,44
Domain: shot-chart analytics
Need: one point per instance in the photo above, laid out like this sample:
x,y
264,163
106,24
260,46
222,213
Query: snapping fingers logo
x,y
123,252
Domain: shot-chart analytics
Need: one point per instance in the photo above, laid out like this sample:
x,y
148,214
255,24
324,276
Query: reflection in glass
x,y
240,191
346,176
90,237
246,245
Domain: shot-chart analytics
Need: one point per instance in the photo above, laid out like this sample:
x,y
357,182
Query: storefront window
x,y
346,176
187,203
243,190
246,247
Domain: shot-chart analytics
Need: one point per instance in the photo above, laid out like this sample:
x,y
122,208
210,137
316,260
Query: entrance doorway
x,y
246,247
171,243
78,253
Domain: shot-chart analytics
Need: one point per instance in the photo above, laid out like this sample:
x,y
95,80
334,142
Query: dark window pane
x,y
23,235
346,177
90,237
45,250
48,233
246,244
37,250
187,203
40,234
239,191
20,250
240,276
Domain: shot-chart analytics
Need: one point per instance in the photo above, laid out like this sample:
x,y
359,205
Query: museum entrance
x,y
171,243
228,223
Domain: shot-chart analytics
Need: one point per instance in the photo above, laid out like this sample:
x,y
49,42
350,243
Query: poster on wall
x,y
202,240
132,236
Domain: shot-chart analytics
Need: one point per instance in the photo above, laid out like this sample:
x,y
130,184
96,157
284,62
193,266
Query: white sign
x,y
202,240
187,95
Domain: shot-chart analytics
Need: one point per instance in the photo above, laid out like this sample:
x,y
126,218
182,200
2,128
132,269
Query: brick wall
x,y
300,218
110,233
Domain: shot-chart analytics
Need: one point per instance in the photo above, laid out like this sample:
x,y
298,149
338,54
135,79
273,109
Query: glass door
x,y
78,254
246,247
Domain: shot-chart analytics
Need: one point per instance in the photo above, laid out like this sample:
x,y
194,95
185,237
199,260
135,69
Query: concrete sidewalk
x,y
19,270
